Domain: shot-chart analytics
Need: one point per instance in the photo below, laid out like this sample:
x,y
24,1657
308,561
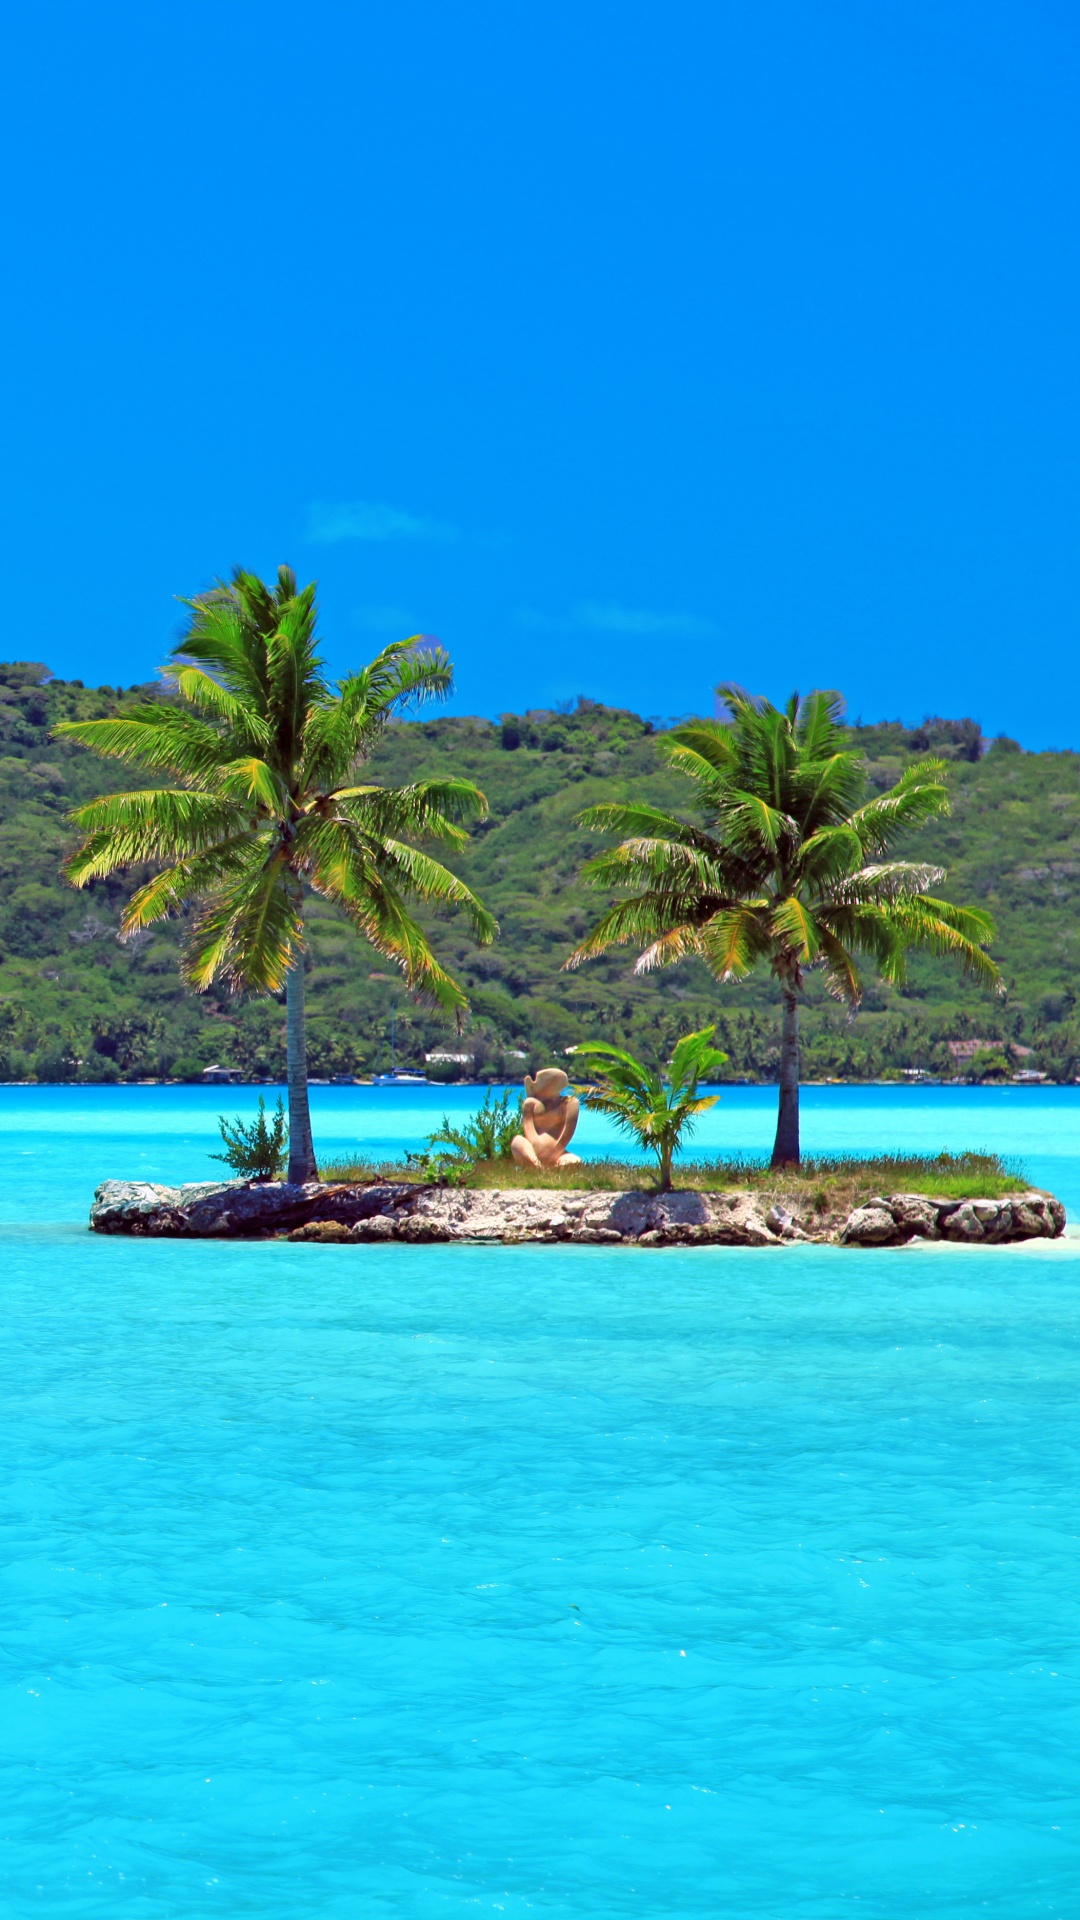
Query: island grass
x,y
825,1187
369,1173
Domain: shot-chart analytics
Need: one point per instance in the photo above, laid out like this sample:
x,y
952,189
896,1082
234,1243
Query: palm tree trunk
x,y
786,1147
301,1150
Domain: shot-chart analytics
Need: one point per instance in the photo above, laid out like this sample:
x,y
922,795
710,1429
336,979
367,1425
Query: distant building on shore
x,y
962,1050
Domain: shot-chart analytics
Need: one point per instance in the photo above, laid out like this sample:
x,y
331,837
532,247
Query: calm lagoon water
x,y
435,1581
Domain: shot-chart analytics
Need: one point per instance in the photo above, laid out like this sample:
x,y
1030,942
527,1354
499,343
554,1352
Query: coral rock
x,y
429,1215
871,1226
915,1213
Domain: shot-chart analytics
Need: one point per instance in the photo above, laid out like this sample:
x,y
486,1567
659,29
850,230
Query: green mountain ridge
x,y
75,1004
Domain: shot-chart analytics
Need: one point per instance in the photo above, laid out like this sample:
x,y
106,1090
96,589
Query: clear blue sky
x,y
625,347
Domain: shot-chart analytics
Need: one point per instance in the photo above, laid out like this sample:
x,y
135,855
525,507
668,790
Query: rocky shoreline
x,y
421,1215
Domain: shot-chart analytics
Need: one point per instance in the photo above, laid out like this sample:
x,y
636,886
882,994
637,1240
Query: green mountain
x,y
75,1004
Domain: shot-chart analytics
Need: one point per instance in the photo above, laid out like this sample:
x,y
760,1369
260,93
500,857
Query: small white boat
x,y
397,1076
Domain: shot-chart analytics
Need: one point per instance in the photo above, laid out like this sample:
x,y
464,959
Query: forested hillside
x,y
74,1003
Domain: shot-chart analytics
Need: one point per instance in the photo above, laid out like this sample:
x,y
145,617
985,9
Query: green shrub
x,y
487,1135
447,1169
257,1151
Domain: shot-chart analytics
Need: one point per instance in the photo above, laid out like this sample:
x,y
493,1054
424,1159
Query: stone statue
x,y
549,1115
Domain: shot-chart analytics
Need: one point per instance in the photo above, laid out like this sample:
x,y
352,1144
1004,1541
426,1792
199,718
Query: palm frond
x,y
344,865
889,880
641,821
919,795
830,789
868,928
708,741
252,780
341,731
694,1058
209,696
383,918
734,940
752,825
668,864
427,879
295,675
678,943
171,890
796,928
712,783
620,1067
819,727
829,855
406,673
841,974
639,919
163,738
249,931
126,829
429,809
223,638
961,932
742,706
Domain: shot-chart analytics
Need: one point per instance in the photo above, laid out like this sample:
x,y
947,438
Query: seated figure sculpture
x,y
549,1115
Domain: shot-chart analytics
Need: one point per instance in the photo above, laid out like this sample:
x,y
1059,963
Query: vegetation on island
x,y
656,1108
257,1149
793,868
822,1191
268,807
79,1003
485,1135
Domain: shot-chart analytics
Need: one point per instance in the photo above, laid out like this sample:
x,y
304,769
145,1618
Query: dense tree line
x,y
74,1003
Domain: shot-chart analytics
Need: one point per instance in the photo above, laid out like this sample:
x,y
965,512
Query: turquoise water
x,y
435,1581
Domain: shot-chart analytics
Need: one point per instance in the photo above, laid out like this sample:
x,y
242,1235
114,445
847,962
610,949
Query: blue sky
x,y
626,348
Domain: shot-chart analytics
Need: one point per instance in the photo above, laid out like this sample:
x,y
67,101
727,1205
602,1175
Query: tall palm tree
x,y
792,867
266,754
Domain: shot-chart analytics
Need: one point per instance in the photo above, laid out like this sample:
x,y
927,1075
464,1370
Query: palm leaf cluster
x,y
792,864
789,864
261,756
657,1110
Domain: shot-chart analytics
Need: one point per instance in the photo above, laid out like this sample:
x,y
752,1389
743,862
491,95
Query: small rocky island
x,y
423,1214
464,1208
